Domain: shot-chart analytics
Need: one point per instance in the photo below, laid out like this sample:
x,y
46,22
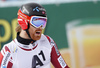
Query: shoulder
x,y
46,37
49,39
7,47
53,44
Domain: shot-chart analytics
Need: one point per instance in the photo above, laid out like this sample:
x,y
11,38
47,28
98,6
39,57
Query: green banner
x,y
58,16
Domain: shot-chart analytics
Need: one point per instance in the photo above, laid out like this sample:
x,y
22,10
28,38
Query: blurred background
x,y
73,24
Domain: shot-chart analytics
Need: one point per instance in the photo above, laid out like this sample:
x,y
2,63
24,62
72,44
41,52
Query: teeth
x,y
38,32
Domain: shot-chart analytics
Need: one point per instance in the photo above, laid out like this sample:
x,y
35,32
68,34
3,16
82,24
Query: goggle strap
x,y
28,31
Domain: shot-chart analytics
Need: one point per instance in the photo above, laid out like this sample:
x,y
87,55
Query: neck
x,y
23,34
24,40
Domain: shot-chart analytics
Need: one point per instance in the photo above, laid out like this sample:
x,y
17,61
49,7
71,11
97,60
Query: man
x,y
31,48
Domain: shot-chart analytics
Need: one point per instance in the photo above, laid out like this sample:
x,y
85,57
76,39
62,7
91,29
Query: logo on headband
x,y
38,9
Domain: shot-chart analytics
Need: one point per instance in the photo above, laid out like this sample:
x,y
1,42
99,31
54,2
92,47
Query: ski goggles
x,y
35,21
38,21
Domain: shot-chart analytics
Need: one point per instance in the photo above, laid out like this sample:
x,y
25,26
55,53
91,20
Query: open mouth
x,y
38,32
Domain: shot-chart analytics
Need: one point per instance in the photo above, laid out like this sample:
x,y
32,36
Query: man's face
x,y
35,33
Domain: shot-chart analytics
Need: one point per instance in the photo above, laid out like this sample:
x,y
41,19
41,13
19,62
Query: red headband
x,y
23,15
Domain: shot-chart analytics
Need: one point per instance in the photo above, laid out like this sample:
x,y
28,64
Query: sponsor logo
x,y
26,46
6,58
15,50
38,9
52,43
62,62
25,10
42,9
23,15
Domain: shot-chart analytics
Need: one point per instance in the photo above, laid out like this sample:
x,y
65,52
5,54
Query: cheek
x,y
32,30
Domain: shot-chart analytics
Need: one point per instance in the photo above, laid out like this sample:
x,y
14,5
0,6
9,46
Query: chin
x,y
36,38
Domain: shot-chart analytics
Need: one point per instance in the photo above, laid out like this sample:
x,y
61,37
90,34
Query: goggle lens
x,y
38,21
